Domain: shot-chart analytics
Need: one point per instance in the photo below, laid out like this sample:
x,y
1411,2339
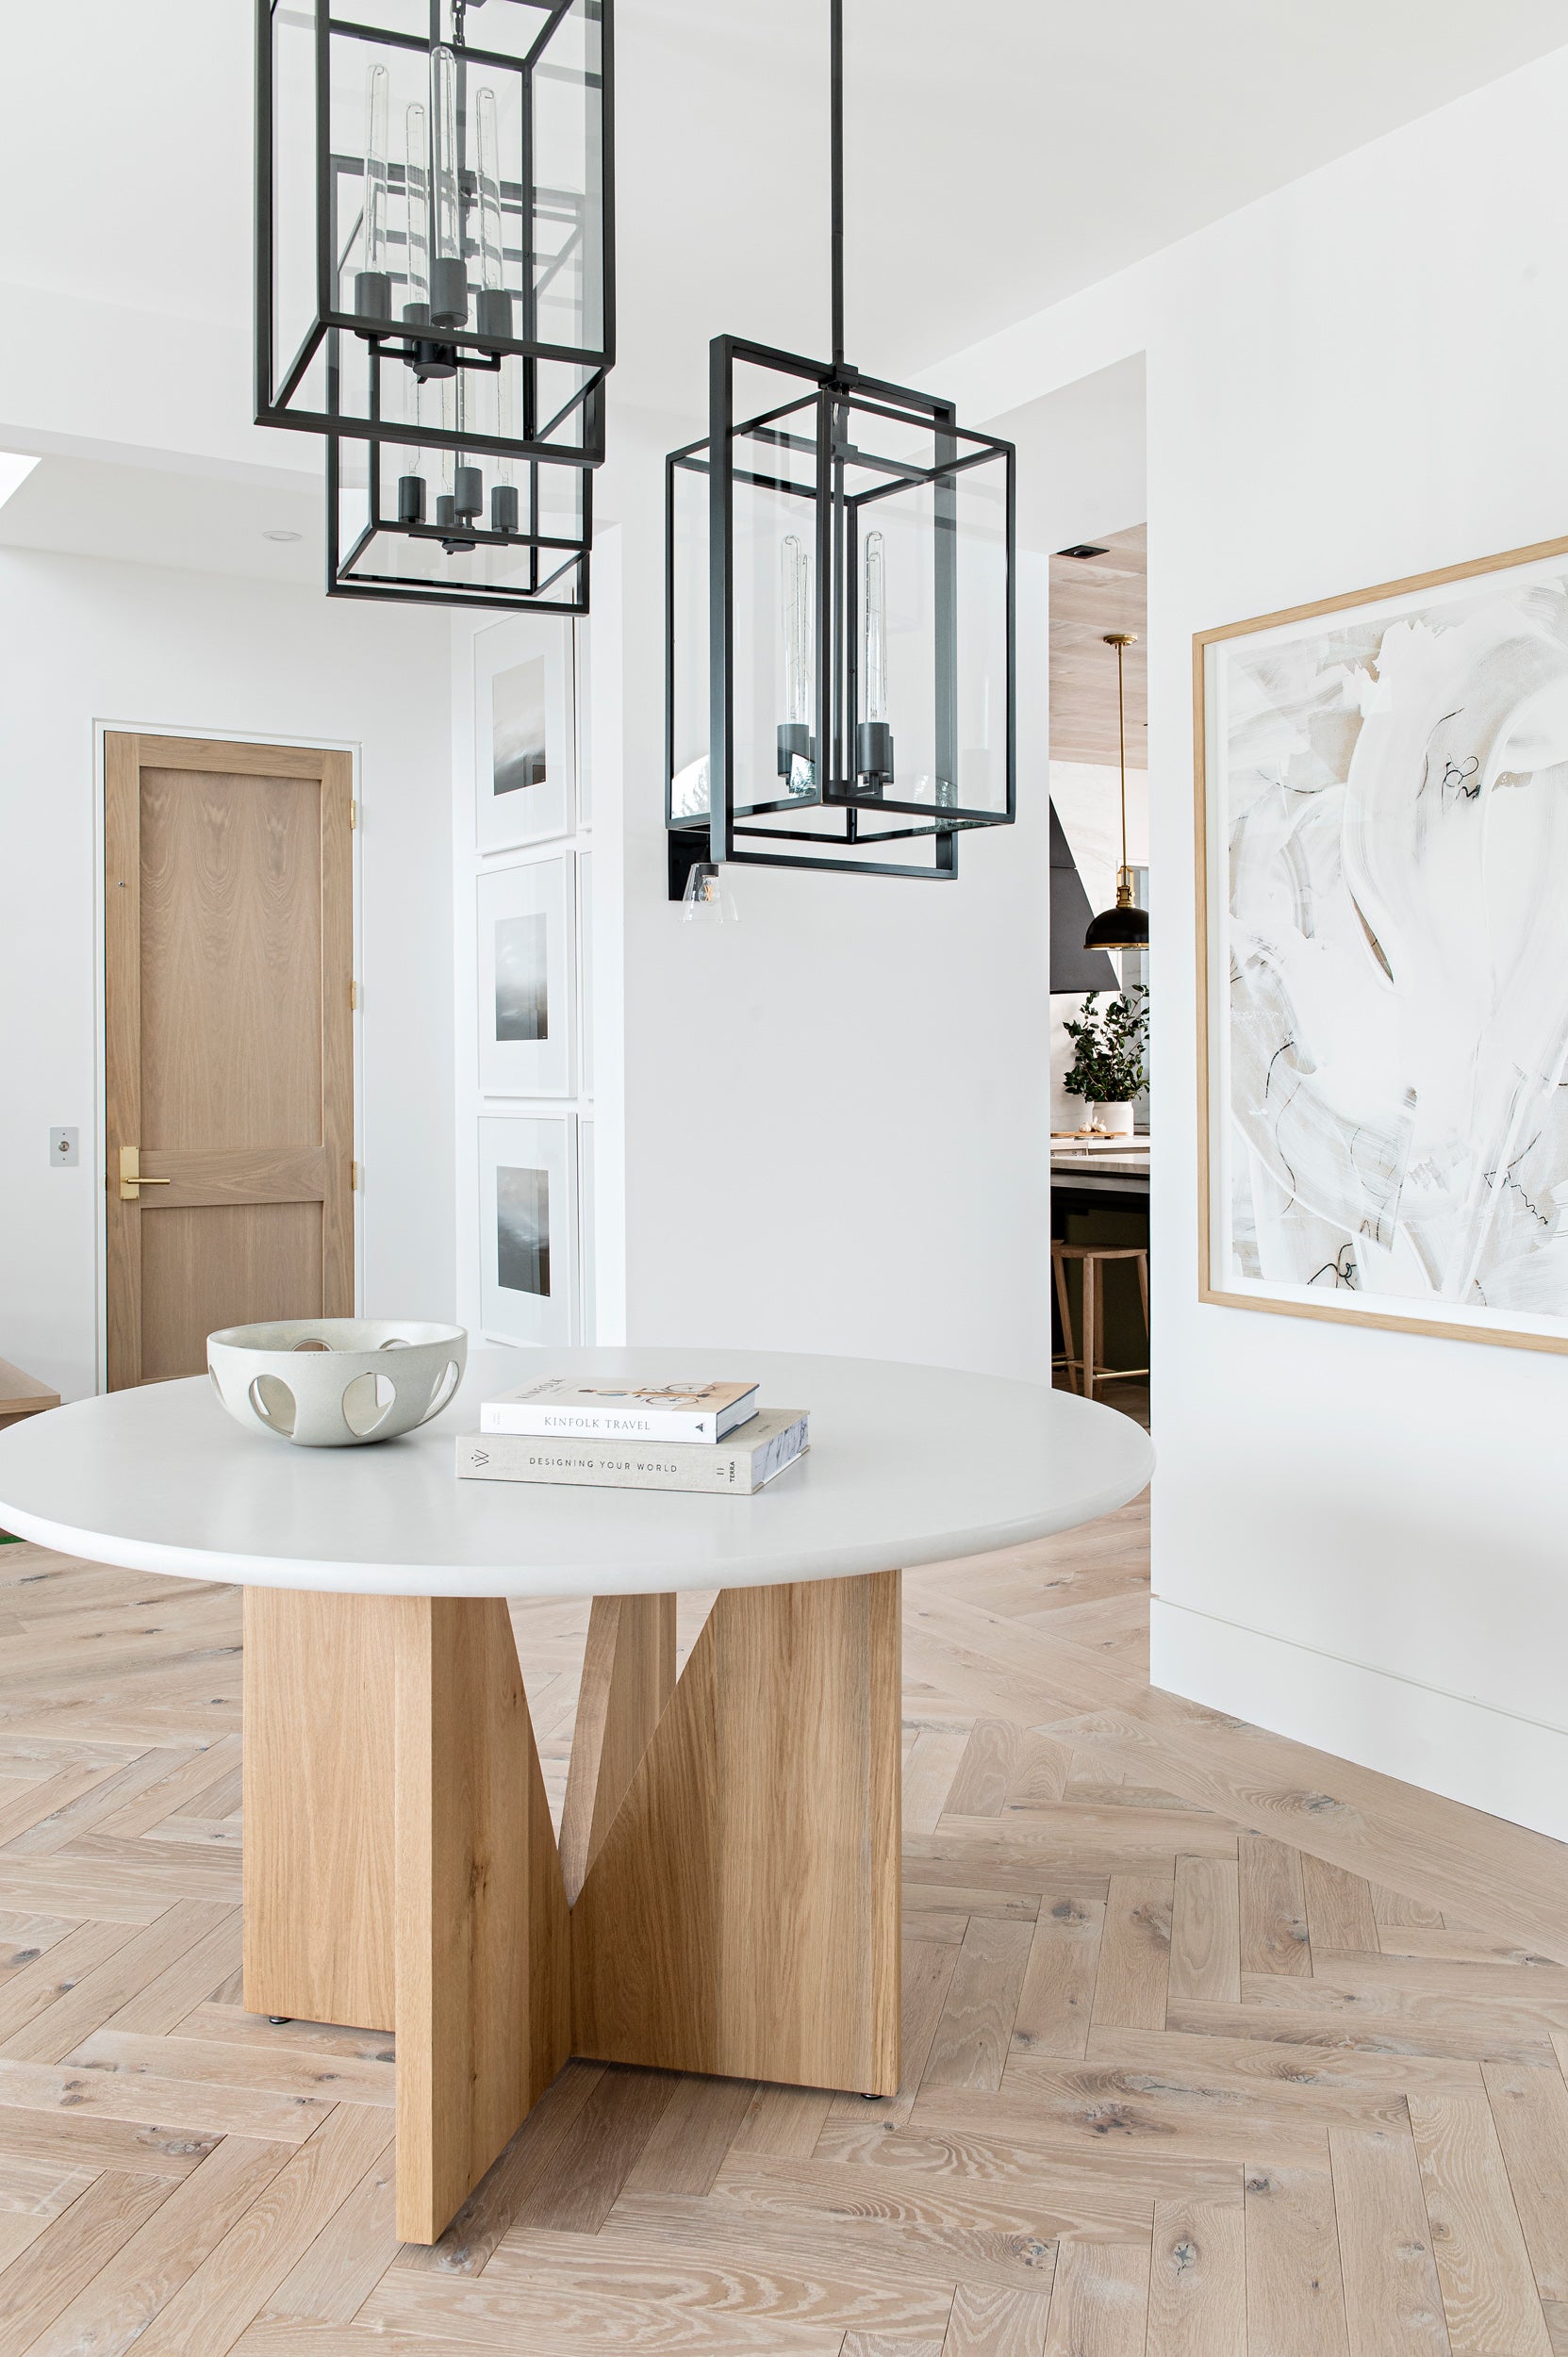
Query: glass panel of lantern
x,y
926,692
383,540
435,220
774,665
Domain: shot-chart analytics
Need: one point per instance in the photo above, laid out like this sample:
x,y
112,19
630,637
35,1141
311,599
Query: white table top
x,y
907,1465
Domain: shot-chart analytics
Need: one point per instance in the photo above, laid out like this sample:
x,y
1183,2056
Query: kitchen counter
x,y
1114,1168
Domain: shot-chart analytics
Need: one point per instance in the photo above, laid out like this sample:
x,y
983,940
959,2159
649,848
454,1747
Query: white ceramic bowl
x,y
333,1382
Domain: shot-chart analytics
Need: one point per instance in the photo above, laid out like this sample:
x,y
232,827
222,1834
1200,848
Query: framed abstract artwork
x,y
527,979
1382,806
528,1228
524,733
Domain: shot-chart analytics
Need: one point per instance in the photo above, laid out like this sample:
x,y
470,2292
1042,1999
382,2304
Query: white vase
x,y
1118,1119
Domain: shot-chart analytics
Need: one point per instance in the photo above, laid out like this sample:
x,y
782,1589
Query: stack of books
x,y
619,1436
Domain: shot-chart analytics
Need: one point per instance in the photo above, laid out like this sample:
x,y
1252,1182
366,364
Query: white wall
x,y
836,1110
1358,1536
191,653
1082,465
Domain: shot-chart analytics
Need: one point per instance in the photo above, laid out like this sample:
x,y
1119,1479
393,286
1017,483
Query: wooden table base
x,y
730,1845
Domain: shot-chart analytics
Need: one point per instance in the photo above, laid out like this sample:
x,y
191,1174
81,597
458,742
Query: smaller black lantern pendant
x,y
528,548
839,583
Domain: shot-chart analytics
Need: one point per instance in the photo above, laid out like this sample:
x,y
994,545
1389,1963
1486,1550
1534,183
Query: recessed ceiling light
x,y
1082,548
281,536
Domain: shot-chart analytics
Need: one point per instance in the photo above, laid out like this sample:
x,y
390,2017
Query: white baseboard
x,y
1467,1751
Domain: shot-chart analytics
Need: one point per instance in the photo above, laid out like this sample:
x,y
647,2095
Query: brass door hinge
x,y
353,995
354,1177
353,813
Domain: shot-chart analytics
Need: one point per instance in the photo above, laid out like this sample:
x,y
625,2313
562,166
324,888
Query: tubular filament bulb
x,y
376,168
874,574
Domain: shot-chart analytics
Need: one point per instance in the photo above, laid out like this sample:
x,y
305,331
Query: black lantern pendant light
x,y
1126,926
840,621
435,284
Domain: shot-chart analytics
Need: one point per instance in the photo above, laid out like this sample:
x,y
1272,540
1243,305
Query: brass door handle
x,y
131,1180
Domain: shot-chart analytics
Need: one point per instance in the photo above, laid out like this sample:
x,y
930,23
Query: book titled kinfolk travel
x,y
771,1440
555,1408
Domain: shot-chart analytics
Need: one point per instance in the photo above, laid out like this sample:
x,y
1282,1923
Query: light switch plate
x,y
65,1148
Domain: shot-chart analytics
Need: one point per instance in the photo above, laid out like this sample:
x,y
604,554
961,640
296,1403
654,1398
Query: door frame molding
x,y
308,739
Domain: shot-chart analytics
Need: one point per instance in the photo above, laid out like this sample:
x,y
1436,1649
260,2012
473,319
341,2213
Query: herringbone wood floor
x,y
1214,2045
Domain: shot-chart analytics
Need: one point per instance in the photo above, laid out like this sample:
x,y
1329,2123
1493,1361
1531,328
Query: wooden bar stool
x,y
1086,1363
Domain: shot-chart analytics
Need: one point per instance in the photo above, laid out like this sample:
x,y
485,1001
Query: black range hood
x,y
1072,966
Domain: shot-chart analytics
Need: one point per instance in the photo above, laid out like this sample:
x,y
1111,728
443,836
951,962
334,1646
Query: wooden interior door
x,y
228,949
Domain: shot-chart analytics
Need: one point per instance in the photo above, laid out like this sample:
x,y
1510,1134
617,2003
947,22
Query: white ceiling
x,y
149,516
1001,155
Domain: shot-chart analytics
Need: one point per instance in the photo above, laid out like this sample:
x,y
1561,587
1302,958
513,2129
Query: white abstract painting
x,y
1386,826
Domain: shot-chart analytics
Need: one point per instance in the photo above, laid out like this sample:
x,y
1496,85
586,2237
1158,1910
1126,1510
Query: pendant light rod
x,y
1121,639
836,173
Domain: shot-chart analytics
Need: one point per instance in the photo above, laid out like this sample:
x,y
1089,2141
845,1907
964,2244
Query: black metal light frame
x,y
382,343
554,562
833,392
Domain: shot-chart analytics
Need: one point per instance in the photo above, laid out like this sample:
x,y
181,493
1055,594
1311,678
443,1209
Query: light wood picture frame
x,y
528,979
1381,836
524,731
528,1212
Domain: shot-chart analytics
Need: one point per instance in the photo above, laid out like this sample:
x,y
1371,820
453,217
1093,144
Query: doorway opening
x,y
1082,515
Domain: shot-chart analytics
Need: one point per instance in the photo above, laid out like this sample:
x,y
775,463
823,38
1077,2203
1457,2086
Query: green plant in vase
x,y
1110,1052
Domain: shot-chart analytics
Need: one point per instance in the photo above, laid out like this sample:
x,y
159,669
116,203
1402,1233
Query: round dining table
x,y
724,1893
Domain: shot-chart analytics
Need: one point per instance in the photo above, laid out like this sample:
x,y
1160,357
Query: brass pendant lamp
x,y
1126,926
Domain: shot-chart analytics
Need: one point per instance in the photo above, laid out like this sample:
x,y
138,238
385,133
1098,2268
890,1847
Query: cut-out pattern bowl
x,y
337,1382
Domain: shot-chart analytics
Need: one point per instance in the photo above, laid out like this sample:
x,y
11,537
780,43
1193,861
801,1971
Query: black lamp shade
x,y
1118,929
